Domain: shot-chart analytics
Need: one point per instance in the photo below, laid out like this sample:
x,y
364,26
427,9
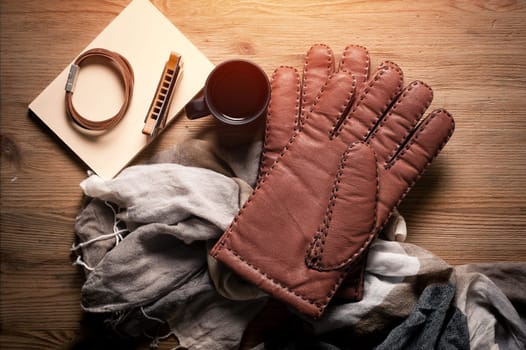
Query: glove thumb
x,y
350,220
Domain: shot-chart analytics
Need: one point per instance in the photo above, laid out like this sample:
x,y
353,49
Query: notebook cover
x,y
143,35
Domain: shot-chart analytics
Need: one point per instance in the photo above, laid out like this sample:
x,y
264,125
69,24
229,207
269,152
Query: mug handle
x,y
196,108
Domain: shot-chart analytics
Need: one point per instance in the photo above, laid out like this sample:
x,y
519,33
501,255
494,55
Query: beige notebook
x,y
143,35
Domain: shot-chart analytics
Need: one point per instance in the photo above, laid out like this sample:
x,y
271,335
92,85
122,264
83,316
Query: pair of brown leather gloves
x,y
342,150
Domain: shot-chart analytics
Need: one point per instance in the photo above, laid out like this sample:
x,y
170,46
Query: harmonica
x,y
156,117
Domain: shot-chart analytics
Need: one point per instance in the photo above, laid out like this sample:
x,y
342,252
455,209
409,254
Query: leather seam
x,y
424,168
328,217
298,131
319,306
363,96
413,124
420,129
367,61
226,237
269,112
316,247
302,114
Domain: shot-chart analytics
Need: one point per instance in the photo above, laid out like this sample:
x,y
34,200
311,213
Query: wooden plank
x,y
469,207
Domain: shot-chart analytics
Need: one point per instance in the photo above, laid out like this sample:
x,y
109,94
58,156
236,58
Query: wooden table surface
x,y
469,207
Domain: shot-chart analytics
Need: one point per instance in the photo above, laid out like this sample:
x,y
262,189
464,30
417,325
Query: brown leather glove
x,y
348,164
289,104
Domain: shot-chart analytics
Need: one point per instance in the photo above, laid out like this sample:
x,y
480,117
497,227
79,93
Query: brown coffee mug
x,y
236,92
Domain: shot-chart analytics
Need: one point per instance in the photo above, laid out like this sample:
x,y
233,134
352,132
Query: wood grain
x,y
469,207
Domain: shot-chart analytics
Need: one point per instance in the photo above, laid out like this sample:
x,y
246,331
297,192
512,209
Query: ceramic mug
x,y
236,92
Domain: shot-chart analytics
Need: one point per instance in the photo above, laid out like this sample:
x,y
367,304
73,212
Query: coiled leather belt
x,y
126,72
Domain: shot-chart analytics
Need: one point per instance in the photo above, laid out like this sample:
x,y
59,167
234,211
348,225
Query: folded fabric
x,y
236,160
394,280
143,243
145,266
494,304
98,231
151,275
403,284
145,193
195,314
434,323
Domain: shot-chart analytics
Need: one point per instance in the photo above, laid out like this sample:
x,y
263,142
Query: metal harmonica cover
x,y
156,117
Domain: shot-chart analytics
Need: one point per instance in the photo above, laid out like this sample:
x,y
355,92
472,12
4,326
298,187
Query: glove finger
x,y
421,148
350,219
400,121
319,65
288,97
355,59
330,106
282,116
371,104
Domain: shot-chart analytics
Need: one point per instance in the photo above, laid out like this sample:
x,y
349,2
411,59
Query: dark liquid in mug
x,y
238,91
